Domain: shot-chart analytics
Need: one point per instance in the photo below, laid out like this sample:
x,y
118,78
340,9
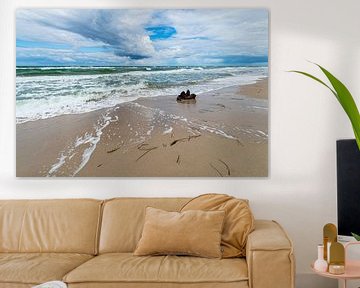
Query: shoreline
x,y
223,134
243,89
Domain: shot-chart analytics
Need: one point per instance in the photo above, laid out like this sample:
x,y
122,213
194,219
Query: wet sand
x,y
225,133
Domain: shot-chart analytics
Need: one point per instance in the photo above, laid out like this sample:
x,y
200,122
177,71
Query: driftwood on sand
x,y
226,166
184,139
186,97
145,147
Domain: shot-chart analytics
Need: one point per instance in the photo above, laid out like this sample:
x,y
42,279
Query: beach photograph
x,y
142,93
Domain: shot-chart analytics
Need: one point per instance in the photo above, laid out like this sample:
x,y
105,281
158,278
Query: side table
x,y
352,268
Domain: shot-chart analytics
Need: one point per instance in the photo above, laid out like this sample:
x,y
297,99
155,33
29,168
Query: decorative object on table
x,y
52,284
98,99
336,269
349,271
320,264
337,258
329,236
344,97
333,252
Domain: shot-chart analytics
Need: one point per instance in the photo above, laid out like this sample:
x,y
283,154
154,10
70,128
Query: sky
x,y
135,37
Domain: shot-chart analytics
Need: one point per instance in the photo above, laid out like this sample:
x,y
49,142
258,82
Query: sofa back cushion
x,y
66,226
123,220
238,224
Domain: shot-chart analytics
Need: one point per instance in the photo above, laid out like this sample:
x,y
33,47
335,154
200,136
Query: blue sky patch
x,y
161,32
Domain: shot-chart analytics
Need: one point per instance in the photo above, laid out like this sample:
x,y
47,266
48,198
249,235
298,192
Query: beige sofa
x,y
89,243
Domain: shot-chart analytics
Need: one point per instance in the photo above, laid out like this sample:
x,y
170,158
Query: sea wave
x,y
44,92
94,70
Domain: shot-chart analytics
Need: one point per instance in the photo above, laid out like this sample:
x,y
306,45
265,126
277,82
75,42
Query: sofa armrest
x,y
269,256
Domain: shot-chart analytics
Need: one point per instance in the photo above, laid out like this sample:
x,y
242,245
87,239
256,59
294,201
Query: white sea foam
x,y
56,166
41,97
150,130
84,144
259,107
94,140
262,133
216,131
168,131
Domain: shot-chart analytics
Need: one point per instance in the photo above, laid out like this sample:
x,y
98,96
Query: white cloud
x,y
201,35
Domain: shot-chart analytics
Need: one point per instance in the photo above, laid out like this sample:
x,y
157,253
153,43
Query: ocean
x,y
44,92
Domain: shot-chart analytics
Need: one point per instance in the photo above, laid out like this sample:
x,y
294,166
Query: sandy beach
x,y
224,134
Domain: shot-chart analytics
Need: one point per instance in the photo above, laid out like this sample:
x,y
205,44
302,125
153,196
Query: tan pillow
x,y
196,233
239,220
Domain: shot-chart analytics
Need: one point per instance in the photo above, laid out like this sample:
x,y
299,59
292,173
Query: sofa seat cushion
x,y
36,268
125,267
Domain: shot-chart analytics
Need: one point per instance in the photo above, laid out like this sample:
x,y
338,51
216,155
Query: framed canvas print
x,y
142,92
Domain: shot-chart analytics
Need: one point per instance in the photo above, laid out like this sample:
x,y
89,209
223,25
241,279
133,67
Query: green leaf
x,y
344,97
357,137
314,78
356,236
347,102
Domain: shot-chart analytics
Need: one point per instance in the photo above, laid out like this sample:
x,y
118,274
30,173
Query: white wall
x,y
305,120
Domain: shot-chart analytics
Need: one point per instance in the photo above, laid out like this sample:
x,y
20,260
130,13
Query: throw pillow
x,y
196,233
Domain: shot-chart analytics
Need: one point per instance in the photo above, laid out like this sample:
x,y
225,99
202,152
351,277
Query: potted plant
x,y
345,99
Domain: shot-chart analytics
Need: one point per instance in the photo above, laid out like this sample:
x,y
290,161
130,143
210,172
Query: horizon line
x,y
241,65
